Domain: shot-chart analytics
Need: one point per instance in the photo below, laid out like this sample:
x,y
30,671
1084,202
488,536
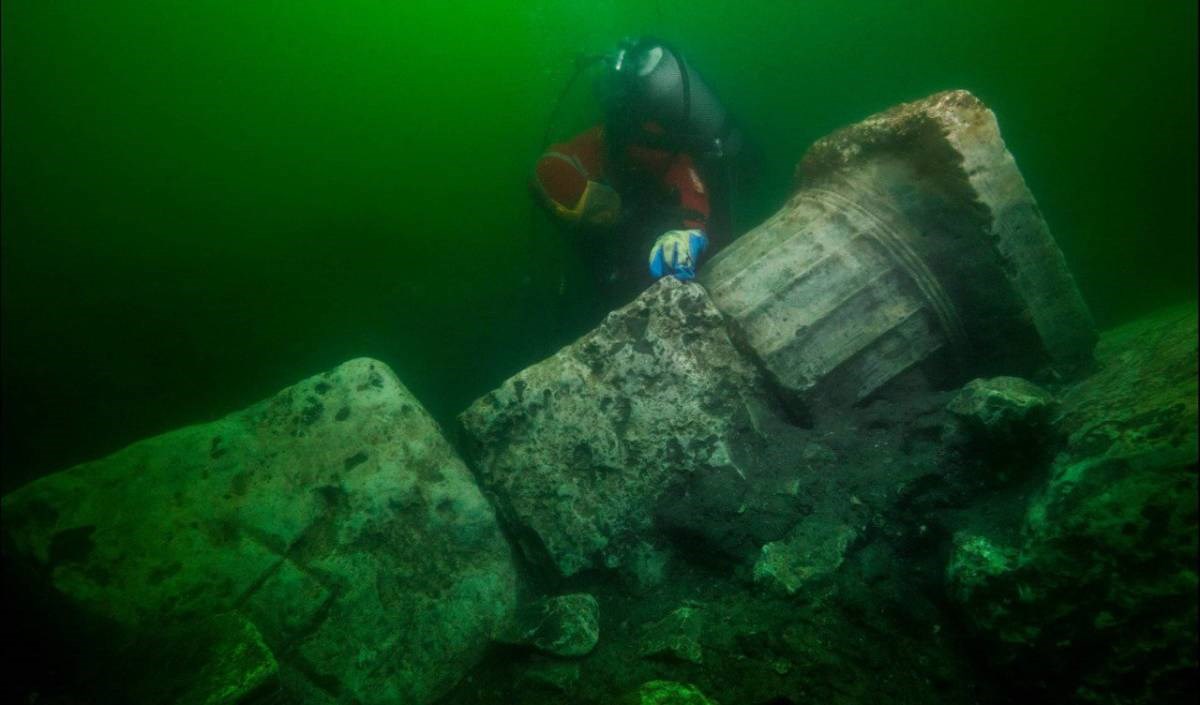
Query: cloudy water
x,y
204,203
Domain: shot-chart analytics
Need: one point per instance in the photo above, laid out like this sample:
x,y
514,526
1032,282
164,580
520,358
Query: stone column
x,y
912,234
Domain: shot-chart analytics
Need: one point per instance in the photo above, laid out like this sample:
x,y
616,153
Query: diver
x,y
656,177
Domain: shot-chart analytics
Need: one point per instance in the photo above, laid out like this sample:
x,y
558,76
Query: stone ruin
x,y
869,457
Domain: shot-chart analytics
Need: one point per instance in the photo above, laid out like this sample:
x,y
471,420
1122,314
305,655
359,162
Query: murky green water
x,y
206,201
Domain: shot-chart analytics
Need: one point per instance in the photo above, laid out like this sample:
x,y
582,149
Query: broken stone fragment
x,y
578,449
675,636
806,559
565,625
912,238
1004,409
334,516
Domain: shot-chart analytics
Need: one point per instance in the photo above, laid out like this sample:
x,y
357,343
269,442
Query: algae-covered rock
x,y
666,693
1099,600
1109,572
980,577
334,516
1144,392
578,449
675,636
807,558
1003,409
565,625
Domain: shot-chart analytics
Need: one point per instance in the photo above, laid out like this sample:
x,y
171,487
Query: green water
x,y
206,201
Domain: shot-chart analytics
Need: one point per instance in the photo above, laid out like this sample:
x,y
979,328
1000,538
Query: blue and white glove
x,y
677,252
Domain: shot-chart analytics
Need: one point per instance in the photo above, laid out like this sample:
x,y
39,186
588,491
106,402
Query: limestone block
x,y
912,235
334,516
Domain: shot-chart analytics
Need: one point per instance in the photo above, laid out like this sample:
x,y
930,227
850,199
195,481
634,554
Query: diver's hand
x,y
677,252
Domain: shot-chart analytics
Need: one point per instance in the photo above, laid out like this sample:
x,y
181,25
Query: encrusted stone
x,y
579,448
1101,590
334,515
1005,409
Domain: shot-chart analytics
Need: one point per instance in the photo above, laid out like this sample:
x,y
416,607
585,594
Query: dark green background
x,y
206,201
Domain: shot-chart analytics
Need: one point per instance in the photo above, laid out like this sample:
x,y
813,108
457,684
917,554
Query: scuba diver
x,y
655,178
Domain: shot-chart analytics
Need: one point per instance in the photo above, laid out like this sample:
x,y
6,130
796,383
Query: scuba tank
x,y
649,84
648,81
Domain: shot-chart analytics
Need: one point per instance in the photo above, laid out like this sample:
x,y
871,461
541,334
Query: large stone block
x,y
911,236
580,448
334,516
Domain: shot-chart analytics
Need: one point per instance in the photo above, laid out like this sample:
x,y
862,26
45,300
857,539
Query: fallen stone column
x,y
911,238
334,517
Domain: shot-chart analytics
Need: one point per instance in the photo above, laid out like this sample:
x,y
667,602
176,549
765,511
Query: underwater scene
x,y
667,352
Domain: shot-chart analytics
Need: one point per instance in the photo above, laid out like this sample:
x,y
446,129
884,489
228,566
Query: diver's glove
x,y
677,252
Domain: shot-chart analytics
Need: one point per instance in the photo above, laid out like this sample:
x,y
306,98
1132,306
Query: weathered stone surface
x,y
1003,409
912,233
564,625
806,558
675,636
578,449
334,516
1102,591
